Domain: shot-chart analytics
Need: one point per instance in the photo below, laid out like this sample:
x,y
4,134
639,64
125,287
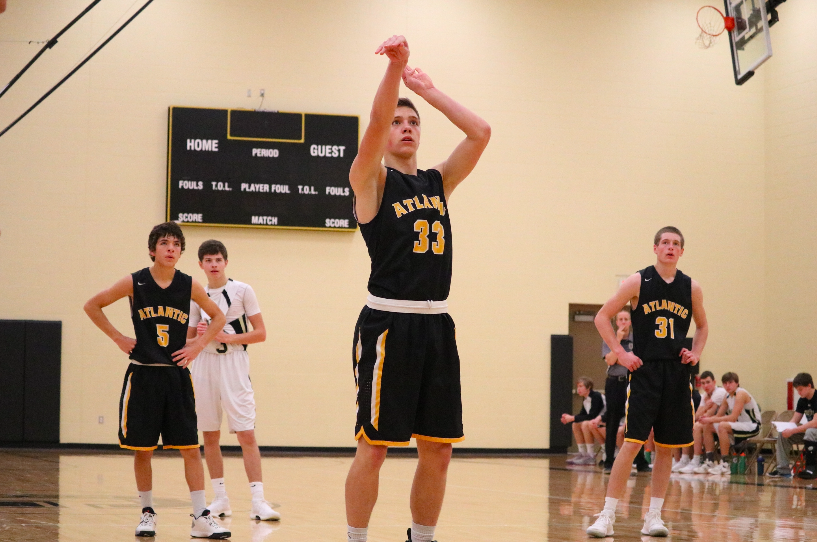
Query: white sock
x,y
199,502
421,533
219,488
146,498
656,504
610,504
592,449
358,535
257,490
584,448
696,458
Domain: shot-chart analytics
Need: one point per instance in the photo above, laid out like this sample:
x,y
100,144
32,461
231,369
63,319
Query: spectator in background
x,y
615,390
805,434
592,407
711,401
738,419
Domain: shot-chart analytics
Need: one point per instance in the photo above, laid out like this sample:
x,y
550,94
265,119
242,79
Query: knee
x,y
190,453
143,455
246,438
212,438
436,455
369,456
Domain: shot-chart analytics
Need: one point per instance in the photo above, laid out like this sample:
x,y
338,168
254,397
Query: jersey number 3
x,y
421,245
661,332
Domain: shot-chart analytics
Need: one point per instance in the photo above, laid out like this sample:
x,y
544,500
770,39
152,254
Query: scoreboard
x,y
264,169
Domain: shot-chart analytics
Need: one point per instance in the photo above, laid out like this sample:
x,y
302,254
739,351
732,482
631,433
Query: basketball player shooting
x,y
405,357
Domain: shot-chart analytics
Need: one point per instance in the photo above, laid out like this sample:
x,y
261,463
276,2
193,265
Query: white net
x,y
712,24
705,41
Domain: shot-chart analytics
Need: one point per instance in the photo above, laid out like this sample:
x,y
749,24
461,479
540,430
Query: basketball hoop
x,y
712,23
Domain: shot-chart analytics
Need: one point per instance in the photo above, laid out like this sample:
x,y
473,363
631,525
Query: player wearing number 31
x,y
405,358
157,395
663,301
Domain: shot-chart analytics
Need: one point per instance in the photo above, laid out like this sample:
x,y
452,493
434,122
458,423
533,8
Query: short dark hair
x,y
160,231
707,374
586,381
668,229
405,102
730,377
211,247
803,379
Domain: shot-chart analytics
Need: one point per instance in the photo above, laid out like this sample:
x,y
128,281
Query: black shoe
x,y
644,468
408,535
778,474
808,473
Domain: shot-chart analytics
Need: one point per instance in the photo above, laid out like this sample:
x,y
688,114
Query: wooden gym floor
x,y
59,496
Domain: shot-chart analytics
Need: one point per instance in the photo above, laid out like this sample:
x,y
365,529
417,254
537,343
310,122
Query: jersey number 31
x,y
661,332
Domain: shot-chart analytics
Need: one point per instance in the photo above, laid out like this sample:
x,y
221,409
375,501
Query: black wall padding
x,y
561,390
12,379
30,365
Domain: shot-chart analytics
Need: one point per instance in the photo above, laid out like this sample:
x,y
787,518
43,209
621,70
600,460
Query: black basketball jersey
x,y
159,316
409,241
661,319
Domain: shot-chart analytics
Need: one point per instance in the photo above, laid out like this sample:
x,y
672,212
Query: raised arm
x,y
701,327
628,291
93,308
368,175
477,132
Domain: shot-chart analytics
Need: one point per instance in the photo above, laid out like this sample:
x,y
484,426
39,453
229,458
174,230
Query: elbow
x,y
483,133
262,335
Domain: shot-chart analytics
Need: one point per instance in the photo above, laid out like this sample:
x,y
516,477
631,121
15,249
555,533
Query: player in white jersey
x,y
711,401
221,377
737,419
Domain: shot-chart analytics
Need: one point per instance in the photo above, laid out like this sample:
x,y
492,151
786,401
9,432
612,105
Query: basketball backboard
x,y
750,40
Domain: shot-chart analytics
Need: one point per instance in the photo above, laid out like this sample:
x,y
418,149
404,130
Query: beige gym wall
x,y
608,123
791,199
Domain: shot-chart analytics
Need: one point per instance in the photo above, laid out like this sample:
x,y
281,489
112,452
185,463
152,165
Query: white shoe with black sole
x,y
147,527
205,526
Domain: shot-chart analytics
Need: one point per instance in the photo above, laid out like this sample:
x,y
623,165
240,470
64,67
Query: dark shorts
x,y
407,373
157,401
660,398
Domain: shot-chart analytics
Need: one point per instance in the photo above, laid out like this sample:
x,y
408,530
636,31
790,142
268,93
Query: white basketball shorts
x,y
222,382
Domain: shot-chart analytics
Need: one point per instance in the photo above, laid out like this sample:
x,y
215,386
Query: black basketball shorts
x,y
660,398
157,401
407,372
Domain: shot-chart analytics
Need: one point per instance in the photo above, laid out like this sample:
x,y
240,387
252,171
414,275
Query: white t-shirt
x,y
237,301
717,396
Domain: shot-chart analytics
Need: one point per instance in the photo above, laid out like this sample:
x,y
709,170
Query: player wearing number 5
x,y
405,358
664,301
157,395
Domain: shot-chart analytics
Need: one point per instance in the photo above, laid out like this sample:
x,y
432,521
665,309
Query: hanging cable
x,y
72,72
48,45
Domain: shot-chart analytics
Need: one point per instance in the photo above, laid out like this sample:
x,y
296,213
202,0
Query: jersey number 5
x,y
661,332
162,335
421,245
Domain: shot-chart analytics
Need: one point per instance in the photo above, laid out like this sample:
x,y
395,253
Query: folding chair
x,y
755,445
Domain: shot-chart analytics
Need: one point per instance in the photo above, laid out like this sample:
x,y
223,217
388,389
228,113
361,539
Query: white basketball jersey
x,y
750,412
237,301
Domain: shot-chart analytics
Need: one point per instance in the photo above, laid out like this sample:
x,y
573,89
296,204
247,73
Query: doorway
x,y
586,349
